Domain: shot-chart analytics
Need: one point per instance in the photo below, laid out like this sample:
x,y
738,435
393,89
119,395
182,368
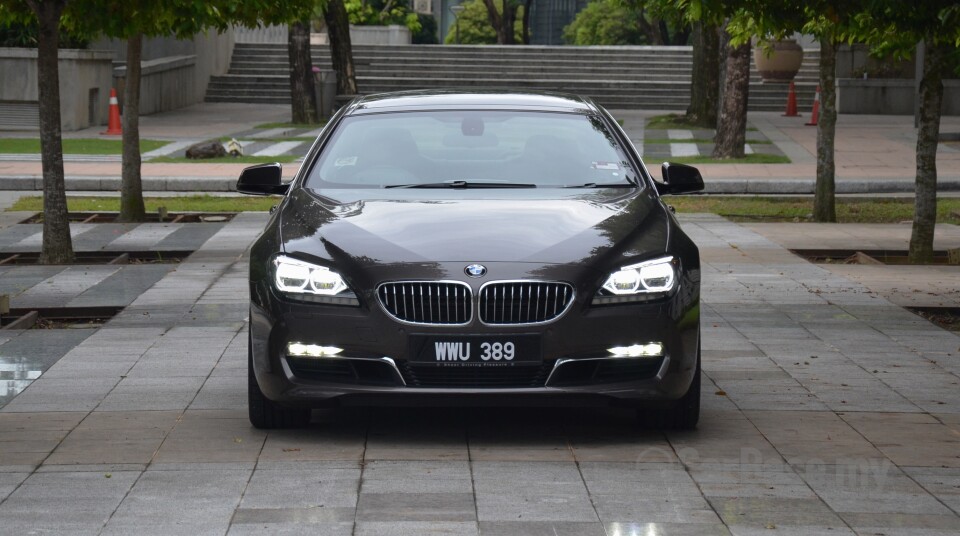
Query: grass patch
x,y
757,158
75,146
193,203
799,209
676,121
291,125
665,141
283,159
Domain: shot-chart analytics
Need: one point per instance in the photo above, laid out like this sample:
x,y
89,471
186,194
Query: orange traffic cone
x,y
791,103
113,125
815,114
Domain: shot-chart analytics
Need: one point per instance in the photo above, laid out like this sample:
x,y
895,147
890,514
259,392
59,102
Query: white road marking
x,y
36,239
272,133
169,148
145,235
680,134
278,148
684,149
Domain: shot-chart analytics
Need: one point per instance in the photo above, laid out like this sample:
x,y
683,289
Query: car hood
x,y
474,226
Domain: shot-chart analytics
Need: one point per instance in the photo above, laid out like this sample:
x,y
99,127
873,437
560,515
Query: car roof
x,y
471,99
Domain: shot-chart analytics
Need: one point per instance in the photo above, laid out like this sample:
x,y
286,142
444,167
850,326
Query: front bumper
x,y
375,368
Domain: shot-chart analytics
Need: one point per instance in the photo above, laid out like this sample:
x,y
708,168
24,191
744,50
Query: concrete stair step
x,y
677,78
656,77
627,62
227,81
247,99
480,72
673,75
635,85
466,50
566,66
281,55
249,93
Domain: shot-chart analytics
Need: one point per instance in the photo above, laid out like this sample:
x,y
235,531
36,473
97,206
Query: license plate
x,y
470,350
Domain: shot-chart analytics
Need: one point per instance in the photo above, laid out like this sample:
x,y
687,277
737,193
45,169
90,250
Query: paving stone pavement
x,y
827,410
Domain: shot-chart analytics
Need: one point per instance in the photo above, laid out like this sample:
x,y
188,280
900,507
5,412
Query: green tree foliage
x,y
382,13
427,34
605,22
475,28
24,35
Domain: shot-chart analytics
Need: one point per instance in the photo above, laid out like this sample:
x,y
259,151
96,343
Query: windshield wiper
x,y
603,185
463,184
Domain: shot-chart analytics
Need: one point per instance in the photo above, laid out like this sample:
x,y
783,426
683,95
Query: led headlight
x,y
298,349
652,349
656,276
310,282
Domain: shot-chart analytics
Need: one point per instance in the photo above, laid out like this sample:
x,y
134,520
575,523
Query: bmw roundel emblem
x,y
475,270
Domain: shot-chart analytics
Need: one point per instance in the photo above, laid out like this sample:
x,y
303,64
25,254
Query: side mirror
x,y
263,179
679,179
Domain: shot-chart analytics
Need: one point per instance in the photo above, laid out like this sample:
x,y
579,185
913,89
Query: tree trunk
x,y
722,60
508,21
705,80
680,37
303,99
57,245
494,17
732,127
502,24
341,51
649,29
824,201
526,22
931,100
131,187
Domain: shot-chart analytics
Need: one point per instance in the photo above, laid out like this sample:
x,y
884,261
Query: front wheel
x,y
682,414
265,413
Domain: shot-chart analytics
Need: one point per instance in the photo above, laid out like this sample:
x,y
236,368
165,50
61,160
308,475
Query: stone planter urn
x,y
782,64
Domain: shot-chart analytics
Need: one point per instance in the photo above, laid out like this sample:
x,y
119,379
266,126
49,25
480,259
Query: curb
x,y
112,184
807,186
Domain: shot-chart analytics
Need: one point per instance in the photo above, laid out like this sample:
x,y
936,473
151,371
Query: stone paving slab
x,y
907,286
114,237
827,409
26,354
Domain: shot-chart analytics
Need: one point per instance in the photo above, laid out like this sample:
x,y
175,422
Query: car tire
x,y
266,414
682,414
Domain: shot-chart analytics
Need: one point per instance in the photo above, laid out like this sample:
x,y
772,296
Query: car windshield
x,y
472,149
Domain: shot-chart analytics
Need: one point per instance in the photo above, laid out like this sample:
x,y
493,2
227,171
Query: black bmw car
x,y
452,248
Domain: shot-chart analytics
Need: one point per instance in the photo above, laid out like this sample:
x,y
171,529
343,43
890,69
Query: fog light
x,y
298,349
653,349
